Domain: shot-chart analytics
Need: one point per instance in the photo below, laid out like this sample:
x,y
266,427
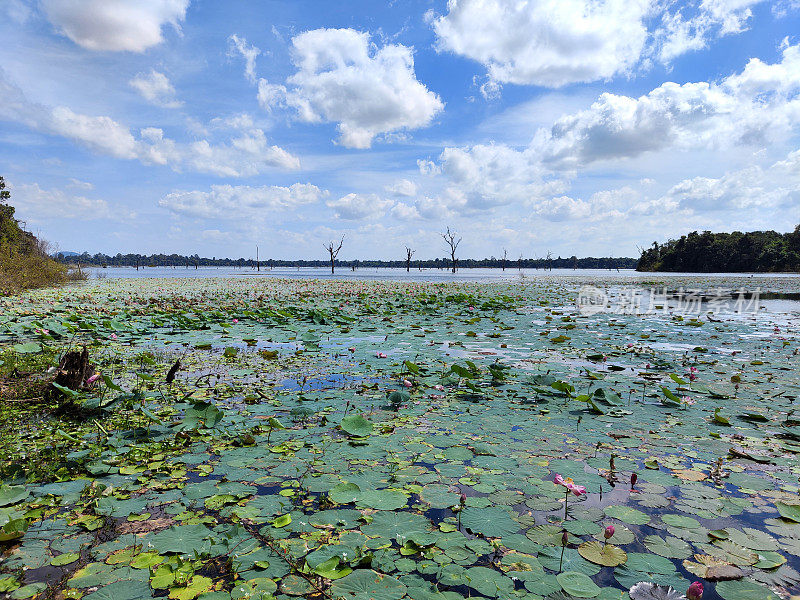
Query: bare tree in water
x,y
505,258
452,242
333,250
409,254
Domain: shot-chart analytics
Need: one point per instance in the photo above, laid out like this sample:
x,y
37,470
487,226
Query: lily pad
x,y
607,555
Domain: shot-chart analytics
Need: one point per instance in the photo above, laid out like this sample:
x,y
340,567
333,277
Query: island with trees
x,y
737,252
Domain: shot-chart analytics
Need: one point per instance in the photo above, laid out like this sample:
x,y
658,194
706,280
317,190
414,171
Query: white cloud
x,y
156,88
343,79
494,175
235,202
82,185
549,43
402,187
562,208
680,33
245,155
775,188
271,95
359,206
115,25
248,52
102,134
753,107
405,212
33,202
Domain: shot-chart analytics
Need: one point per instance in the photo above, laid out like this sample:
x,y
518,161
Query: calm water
x,y
402,275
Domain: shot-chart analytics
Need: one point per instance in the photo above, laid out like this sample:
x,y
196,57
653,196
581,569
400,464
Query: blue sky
x,y
564,126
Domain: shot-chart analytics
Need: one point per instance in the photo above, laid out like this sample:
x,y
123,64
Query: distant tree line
x,y
706,252
194,261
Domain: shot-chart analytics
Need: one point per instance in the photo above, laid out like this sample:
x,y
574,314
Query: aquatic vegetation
x,y
257,439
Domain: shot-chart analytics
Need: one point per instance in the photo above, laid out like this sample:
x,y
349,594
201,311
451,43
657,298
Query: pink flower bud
x,y
634,479
407,383
92,379
463,499
695,591
235,321
564,538
609,532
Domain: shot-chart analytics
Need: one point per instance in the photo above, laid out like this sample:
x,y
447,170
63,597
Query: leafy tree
x,y
707,252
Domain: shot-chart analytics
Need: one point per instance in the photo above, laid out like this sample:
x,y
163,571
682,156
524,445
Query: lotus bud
x,y
695,591
609,532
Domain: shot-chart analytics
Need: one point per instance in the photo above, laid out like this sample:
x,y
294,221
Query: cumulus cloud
x,y
402,187
33,202
101,134
756,108
359,206
248,51
753,107
115,25
548,43
776,188
486,176
247,154
342,78
156,88
235,202
405,212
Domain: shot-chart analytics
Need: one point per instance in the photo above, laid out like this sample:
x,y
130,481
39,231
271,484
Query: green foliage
x,y
24,259
706,252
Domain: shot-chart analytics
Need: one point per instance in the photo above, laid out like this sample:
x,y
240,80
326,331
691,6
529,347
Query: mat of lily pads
x,y
385,440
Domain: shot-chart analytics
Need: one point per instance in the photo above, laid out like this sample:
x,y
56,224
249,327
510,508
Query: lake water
x,y
437,275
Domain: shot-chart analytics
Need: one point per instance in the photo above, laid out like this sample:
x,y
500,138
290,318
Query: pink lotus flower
x,y
235,321
609,532
695,591
380,354
113,336
439,387
687,401
568,483
407,383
